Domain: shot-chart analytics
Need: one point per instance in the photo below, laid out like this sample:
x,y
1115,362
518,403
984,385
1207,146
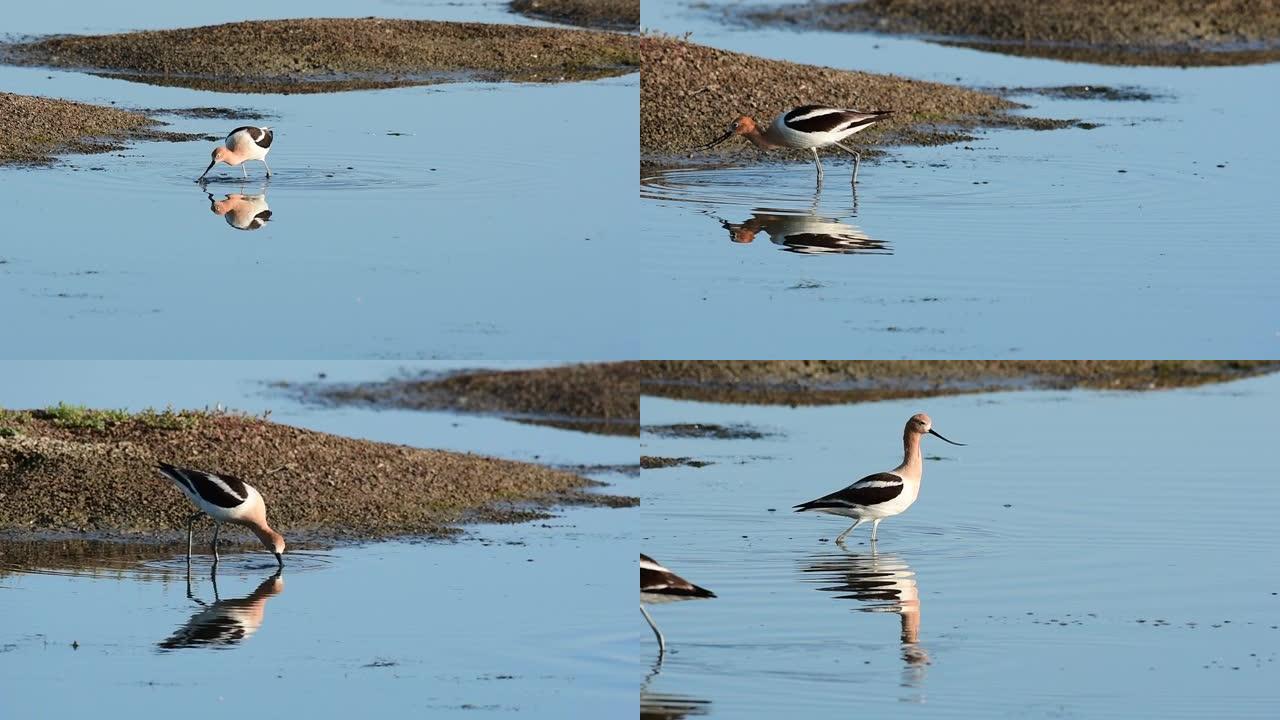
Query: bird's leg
x,y
874,527
243,170
268,167
662,643
817,163
857,161
191,522
845,534
217,527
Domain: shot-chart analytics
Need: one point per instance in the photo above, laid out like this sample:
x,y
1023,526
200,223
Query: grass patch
x,y
79,417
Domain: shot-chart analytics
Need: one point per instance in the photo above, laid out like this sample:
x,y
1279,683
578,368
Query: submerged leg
x,y
857,160
874,527
662,643
264,163
845,534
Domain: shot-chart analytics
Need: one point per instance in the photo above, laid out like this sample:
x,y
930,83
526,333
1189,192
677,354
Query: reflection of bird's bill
x,y
715,142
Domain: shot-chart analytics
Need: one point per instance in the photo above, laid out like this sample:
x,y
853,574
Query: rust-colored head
x,y
742,125
219,154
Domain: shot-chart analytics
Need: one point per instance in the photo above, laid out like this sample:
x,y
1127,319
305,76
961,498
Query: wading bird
x,y
806,128
224,499
242,145
660,585
876,497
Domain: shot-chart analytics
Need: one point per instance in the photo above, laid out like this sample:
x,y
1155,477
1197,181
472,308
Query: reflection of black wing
x,y
656,706
870,490
211,626
861,578
818,243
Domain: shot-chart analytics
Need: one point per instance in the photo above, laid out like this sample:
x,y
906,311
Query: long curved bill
x,y
715,142
931,432
206,170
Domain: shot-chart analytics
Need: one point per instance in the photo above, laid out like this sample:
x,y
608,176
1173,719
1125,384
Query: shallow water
x,y
463,220
501,621
1146,237
1086,555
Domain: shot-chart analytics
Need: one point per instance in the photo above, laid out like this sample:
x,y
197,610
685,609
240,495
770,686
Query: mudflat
x,y
77,470
327,55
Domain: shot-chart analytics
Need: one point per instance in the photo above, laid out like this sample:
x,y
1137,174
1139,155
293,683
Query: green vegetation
x,y
84,418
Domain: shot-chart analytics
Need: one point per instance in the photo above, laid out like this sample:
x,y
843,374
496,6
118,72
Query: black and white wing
x,y
261,136
869,491
221,490
657,580
816,119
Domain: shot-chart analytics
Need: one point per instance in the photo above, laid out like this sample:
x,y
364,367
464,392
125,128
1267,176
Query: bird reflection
x,y
241,211
224,622
880,582
659,706
808,234
662,706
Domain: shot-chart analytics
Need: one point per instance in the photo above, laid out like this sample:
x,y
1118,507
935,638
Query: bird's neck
x,y
762,140
266,535
912,465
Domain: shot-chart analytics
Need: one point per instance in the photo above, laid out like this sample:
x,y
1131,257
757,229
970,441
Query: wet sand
x,y
603,14
329,55
70,470
823,382
690,93
1116,32
37,128
600,398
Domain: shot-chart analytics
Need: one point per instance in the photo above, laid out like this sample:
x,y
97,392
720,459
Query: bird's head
x,y
922,424
742,125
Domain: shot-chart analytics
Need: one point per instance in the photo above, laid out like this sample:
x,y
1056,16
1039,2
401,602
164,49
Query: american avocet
x,y
224,499
806,128
807,234
660,585
242,145
242,212
876,497
224,622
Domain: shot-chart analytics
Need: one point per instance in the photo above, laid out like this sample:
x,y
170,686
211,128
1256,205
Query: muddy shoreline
x,y
601,398
600,14
332,55
85,471
690,93
36,129
1113,32
834,382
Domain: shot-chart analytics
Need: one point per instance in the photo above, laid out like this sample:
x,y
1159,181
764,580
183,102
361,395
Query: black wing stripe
x,y
870,490
260,136
221,490
833,121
